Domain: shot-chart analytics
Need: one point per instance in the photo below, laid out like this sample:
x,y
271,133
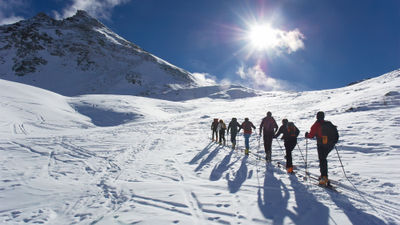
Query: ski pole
x,y
306,156
280,146
354,186
301,153
237,140
340,160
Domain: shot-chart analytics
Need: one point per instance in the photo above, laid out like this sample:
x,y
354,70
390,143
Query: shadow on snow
x,y
105,118
209,158
240,177
273,202
223,166
356,216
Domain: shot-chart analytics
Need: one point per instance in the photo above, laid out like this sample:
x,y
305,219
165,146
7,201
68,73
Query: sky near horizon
x,y
270,45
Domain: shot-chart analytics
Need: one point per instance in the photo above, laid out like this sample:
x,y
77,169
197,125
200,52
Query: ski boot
x,y
289,169
323,181
233,146
246,152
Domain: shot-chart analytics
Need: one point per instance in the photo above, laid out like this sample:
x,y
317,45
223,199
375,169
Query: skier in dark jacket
x,y
323,148
268,127
290,133
234,127
214,126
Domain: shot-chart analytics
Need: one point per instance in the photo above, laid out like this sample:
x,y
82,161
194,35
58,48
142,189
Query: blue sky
x,y
287,44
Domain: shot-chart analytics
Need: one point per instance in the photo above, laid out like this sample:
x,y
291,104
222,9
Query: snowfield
x,y
120,159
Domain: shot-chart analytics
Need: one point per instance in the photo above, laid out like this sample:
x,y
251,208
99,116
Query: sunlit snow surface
x,y
119,159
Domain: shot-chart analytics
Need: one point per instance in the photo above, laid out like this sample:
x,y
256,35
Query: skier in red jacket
x,y
323,146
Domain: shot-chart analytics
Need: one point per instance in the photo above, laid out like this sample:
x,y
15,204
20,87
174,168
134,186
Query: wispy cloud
x,y
255,77
265,37
291,41
7,14
204,79
97,8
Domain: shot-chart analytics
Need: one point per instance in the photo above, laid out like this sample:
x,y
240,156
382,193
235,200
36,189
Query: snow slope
x,y
118,159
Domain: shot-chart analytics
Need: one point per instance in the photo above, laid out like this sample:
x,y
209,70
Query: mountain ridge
x,y
80,55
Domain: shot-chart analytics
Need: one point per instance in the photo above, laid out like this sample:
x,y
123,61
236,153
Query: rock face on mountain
x,y
79,55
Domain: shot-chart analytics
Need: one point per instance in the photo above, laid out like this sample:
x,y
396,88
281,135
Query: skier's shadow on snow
x,y
240,177
273,199
223,166
201,154
308,210
356,216
209,158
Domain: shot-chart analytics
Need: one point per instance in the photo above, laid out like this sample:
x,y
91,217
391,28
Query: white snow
x,y
120,159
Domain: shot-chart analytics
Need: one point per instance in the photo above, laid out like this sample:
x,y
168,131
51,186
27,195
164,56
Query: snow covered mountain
x,y
120,159
79,55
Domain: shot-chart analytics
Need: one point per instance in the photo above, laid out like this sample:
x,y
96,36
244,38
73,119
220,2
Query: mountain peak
x,y
82,17
82,13
42,17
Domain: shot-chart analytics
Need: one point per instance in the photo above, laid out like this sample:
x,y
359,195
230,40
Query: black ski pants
x,y
289,146
222,136
268,136
233,138
323,152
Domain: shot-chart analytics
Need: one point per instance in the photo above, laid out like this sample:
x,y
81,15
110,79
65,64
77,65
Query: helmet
x,y
269,114
246,119
320,115
284,121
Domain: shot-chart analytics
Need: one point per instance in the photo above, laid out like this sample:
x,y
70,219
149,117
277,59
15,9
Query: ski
x,y
328,187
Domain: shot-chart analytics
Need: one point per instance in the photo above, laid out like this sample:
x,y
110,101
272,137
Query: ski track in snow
x,y
162,168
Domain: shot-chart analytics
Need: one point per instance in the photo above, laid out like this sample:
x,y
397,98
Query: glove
x,y
306,135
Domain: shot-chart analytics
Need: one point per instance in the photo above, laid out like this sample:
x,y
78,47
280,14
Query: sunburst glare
x,y
263,37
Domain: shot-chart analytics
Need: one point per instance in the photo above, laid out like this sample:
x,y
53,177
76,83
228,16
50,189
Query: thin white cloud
x,y
256,78
264,37
7,11
291,41
9,20
204,79
96,8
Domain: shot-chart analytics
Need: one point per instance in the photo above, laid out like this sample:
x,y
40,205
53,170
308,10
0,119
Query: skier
x,y
268,126
214,126
247,125
221,130
327,137
233,127
290,133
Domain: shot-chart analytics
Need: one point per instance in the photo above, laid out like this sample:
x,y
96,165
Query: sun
x,y
262,37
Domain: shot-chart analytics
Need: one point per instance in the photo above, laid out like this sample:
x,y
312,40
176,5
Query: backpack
x,y
268,124
246,126
329,133
291,130
223,126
